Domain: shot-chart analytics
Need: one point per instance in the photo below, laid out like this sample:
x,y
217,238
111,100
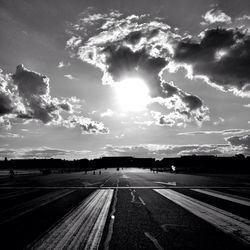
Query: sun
x,y
132,94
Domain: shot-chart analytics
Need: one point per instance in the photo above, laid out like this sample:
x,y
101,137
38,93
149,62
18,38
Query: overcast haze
x,y
137,77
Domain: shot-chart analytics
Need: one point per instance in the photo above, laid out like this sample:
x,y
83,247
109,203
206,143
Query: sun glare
x,y
220,54
132,94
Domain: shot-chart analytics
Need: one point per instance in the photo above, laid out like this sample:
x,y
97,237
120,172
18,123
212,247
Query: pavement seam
x,y
154,241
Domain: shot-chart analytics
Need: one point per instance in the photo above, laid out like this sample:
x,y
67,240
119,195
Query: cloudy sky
x,y
144,78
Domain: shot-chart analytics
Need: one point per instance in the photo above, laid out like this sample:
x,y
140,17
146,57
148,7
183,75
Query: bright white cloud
x,y
160,151
61,64
70,77
86,125
216,16
108,113
219,121
11,135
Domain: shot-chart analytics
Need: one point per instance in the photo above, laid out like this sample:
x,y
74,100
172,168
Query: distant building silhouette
x,y
186,164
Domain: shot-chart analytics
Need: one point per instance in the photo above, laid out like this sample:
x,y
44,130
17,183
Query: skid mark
x,y
136,199
142,201
133,195
154,241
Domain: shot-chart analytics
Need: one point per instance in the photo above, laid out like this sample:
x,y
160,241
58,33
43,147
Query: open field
x,y
126,209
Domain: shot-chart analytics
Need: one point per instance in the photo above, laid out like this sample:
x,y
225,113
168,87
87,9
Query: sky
x,y
86,79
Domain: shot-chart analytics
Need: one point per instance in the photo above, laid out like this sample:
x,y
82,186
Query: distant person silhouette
x,y
11,174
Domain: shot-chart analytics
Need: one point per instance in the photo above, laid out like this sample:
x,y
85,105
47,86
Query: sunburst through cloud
x,y
132,94
124,124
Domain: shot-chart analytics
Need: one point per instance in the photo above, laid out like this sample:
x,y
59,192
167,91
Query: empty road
x,y
125,209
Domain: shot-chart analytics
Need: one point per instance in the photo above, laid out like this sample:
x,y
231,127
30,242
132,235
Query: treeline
x,y
192,164
208,164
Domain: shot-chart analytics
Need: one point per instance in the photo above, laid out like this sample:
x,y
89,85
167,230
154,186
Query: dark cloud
x,y
168,120
28,98
164,120
139,45
33,89
8,101
135,46
65,106
6,106
93,127
221,55
240,141
192,102
121,62
30,83
134,37
6,98
169,89
186,107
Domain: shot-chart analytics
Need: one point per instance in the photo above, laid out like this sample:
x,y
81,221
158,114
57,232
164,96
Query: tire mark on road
x,y
141,200
154,240
134,195
132,220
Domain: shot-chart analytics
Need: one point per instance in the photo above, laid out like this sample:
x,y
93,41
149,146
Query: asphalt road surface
x,y
126,209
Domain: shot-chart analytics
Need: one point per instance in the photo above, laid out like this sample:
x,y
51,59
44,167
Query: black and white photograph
x,y
124,124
